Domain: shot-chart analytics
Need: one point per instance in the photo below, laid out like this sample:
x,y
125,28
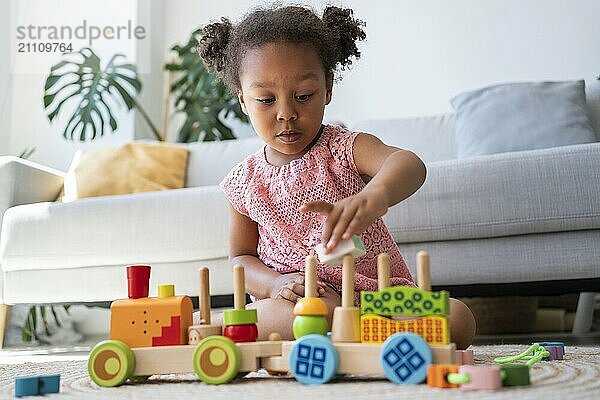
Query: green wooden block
x,y
515,375
405,300
239,317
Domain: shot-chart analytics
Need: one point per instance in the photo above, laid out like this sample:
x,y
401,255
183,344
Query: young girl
x,y
311,182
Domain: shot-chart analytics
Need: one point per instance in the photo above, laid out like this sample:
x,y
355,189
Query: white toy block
x,y
353,247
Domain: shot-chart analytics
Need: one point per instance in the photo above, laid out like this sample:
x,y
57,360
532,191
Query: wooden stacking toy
x,y
205,329
310,311
239,323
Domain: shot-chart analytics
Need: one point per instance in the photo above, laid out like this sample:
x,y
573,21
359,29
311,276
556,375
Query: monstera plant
x,y
80,78
205,101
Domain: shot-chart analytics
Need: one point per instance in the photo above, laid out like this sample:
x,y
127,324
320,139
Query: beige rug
x,y
576,377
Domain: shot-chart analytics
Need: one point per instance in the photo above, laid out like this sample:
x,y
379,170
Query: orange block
x,y
436,375
376,329
151,321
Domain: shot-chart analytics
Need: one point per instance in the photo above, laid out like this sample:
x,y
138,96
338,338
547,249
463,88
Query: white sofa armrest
x,y
537,191
24,182
181,225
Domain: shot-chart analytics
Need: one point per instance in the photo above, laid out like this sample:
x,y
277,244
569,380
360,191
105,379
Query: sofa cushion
x,y
592,96
431,137
521,116
536,191
130,168
210,162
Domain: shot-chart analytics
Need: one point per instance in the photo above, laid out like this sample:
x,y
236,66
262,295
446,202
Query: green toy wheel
x,y
216,360
111,362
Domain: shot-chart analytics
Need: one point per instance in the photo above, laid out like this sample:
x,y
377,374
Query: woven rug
x,y
576,377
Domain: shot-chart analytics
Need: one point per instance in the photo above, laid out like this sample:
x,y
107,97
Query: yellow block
x,y
433,328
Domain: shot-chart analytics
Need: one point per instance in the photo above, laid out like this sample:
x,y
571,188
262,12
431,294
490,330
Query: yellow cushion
x,y
131,168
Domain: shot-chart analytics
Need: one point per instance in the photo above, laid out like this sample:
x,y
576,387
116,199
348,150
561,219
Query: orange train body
x,y
151,321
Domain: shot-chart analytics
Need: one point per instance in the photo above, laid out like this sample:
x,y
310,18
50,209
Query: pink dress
x,y
271,196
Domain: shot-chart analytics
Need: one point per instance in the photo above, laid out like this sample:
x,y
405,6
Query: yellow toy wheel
x,y
216,360
111,362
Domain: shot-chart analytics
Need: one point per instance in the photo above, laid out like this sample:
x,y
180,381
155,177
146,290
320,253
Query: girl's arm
x,y
396,173
262,282
243,242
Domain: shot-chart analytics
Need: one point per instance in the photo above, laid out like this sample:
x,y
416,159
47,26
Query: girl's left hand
x,y
349,216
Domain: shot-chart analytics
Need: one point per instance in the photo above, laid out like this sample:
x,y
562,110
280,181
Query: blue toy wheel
x,y
313,359
405,357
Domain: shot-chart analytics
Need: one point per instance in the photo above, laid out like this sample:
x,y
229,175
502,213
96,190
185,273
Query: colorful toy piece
x,y
515,374
437,373
239,323
310,311
403,300
111,363
556,350
477,377
216,360
149,321
353,247
314,360
138,278
464,357
433,328
405,358
532,355
36,385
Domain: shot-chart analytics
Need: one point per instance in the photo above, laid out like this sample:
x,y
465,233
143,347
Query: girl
x,y
311,182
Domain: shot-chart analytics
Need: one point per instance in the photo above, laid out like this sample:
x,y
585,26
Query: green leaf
x,y
118,80
200,96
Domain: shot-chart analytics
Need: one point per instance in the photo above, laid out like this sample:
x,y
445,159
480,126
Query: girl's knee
x,y
462,324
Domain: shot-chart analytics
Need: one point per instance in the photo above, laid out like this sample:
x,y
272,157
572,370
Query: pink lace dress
x,y
271,196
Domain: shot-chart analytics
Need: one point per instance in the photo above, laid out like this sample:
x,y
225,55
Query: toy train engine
x,y
142,321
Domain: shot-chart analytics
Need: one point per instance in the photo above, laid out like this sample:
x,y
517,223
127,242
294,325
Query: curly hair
x,y
223,45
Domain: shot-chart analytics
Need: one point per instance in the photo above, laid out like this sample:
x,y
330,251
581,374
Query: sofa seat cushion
x,y
537,191
179,225
528,258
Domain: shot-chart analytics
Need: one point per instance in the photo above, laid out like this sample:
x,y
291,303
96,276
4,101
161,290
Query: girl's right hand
x,y
291,287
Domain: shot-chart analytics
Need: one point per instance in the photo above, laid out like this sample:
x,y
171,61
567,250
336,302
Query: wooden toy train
x,y
154,336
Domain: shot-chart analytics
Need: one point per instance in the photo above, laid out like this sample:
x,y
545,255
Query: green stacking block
x,y
515,374
239,317
405,300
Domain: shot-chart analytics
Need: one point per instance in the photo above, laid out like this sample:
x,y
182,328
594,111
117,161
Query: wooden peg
x,y
423,273
239,287
346,318
383,271
204,295
310,277
348,270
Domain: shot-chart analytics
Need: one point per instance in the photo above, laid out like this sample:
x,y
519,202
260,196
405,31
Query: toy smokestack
x,y
138,280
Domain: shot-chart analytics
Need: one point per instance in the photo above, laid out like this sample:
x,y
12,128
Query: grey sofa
x,y
522,222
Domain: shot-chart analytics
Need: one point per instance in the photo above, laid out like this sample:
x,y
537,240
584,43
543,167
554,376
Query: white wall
x,y
5,83
418,54
29,126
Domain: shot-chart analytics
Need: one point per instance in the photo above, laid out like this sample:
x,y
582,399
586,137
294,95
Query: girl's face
x,y
284,92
